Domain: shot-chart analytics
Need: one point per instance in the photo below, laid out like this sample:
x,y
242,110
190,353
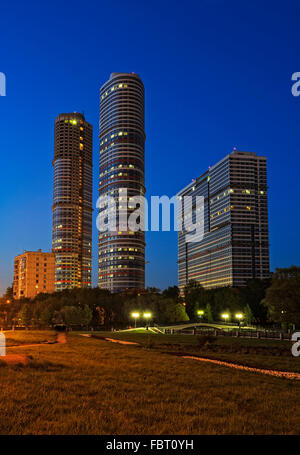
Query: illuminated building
x,y
122,149
72,201
235,247
33,273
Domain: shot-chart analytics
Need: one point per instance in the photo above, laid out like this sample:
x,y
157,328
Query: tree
x,y
225,300
253,294
153,290
170,312
71,315
208,313
9,295
193,295
86,315
179,313
283,296
25,315
98,317
171,292
248,315
46,315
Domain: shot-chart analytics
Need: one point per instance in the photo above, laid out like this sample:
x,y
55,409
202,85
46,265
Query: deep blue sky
x,y
217,75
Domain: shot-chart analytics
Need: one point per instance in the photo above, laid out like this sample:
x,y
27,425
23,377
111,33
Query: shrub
x,y
205,340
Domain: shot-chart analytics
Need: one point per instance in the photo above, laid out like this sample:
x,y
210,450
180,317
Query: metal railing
x,y
242,333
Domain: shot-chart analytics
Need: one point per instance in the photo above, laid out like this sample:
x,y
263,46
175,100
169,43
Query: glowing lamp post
x,y
135,315
147,316
225,316
239,317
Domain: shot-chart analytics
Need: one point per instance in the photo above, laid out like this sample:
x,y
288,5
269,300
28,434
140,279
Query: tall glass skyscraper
x,y
72,201
235,247
122,150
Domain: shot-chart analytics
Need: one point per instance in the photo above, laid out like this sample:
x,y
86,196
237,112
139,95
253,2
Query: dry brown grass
x,y
19,337
90,386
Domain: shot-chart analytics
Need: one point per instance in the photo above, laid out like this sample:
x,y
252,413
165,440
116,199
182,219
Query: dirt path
x,y
281,374
113,340
15,359
61,338
276,373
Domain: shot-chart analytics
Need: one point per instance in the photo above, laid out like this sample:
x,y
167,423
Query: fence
x,y
269,334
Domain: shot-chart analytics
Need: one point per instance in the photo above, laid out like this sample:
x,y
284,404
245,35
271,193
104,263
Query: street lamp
x,y
225,316
147,316
135,315
239,317
200,313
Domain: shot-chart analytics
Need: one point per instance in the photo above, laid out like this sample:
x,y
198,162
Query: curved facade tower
x,y
122,150
72,201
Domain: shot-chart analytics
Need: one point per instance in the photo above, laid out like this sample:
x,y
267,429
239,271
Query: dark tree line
x,y
283,296
214,302
262,302
95,308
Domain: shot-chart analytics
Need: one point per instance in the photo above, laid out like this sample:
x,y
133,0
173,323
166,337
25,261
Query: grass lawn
x,y
141,335
18,337
261,353
91,386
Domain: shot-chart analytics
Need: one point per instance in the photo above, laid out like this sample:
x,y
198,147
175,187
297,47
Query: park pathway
x,y
281,374
15,359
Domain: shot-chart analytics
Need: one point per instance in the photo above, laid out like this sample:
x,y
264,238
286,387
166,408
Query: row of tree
x,y
212,303
91,308
261,302
275,300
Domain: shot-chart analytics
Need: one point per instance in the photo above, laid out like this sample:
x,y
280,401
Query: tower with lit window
x,y
72,201
235,246
122,149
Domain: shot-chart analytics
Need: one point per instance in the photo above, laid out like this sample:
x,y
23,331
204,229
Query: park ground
x,y
93,386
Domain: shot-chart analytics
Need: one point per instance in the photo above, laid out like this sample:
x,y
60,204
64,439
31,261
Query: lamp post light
x,y
239,317
200,313
225,316
135,315
147,316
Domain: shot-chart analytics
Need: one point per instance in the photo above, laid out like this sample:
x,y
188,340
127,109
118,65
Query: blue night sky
x,y
217,75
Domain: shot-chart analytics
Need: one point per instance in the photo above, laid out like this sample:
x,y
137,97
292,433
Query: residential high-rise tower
x,y
72,201
122,149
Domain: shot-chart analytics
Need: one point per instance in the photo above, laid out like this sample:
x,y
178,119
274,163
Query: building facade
x,y
235,246
72,201
122,172
34,272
